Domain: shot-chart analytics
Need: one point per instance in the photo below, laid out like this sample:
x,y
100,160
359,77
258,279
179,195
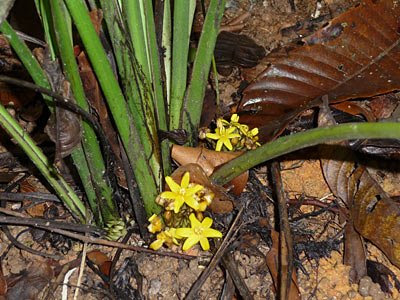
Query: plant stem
x,y
36,155
28,60
302,140
180,51
118,106
194,99
93,154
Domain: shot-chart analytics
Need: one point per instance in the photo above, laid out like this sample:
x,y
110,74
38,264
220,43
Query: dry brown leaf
x,y
356,55
209,160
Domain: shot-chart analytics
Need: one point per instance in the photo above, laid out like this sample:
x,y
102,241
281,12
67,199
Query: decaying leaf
x,y
30,282
273,266
209,160
221,202
356,55
101,260
63,127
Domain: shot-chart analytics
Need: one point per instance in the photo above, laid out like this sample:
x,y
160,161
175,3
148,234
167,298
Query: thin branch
x,y
192,294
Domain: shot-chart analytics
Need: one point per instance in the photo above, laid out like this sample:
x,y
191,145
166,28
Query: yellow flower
x,y
183,193
199,232
223,135
156,224
168,236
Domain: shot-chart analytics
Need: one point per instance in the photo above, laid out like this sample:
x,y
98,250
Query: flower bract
x,y
199,232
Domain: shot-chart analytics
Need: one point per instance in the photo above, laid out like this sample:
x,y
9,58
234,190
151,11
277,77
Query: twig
x,y
285,237
51,226
230,265
22,219
81,269
195,288
34,197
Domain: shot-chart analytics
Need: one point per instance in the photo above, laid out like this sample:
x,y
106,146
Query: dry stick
x,y
49,226
195,288
33,196
23,219
285,237
231,266
14,241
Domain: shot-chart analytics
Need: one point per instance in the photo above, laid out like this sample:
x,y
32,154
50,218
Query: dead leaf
x,y
221,202
272,258
3,282
209,161
354,56
101,260
30,282
63,126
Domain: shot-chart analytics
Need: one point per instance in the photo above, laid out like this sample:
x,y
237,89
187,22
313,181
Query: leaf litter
x,y
160,275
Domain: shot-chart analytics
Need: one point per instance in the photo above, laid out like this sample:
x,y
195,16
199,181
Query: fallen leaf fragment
x,y
209,161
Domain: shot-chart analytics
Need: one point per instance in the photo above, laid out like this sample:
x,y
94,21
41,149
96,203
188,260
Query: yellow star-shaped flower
x,y
183,193
199,232
223,136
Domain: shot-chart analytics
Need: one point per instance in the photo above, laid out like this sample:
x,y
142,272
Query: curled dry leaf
x,y
221,202
356,55
209,160
101,260
66,127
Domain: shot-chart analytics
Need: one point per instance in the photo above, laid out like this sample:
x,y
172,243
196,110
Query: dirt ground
x,y
171,278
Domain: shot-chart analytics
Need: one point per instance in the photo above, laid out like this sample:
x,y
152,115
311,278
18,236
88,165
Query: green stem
x,y
90,143
28,60
116,101
180,51
302,140
36,155
194,99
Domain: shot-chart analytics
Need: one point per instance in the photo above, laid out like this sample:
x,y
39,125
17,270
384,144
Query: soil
x,y
170,278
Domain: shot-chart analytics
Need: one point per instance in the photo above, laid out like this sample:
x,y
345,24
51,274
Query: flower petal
x,y
219,145
193,221
204,244
172,184
192,202
185,180
178,203
209,232
254,131
183,232
156,244
235,118
169,195
193,190
213,136
228,144
190,242
207,222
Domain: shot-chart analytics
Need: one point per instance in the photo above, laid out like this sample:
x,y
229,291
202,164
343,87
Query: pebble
x,y
364,285
352,294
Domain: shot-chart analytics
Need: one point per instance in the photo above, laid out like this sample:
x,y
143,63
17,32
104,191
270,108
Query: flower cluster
x,y
182,220
232,135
